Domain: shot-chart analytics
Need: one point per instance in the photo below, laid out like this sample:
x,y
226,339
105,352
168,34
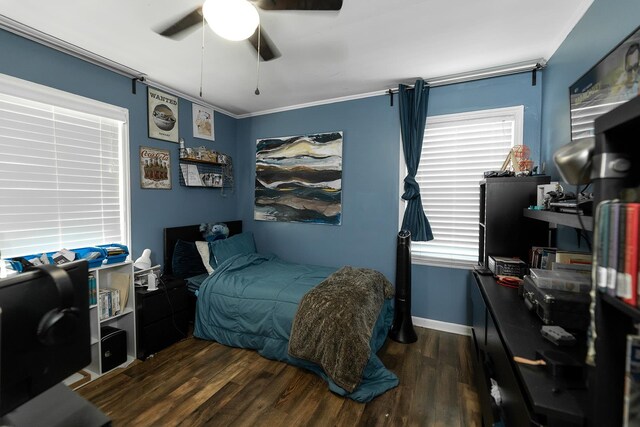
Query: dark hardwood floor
x,y
196,382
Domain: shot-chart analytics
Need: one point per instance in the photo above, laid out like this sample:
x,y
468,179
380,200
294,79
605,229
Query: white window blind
x,y
457,149
582,119
63,182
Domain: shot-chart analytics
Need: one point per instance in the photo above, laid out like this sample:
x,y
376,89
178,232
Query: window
x,y
63,170
457,149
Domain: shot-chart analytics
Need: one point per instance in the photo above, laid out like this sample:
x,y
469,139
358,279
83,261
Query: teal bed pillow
x,y
186,260
242,243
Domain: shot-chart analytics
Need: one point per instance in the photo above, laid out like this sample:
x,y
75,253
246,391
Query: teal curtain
x,y
413,117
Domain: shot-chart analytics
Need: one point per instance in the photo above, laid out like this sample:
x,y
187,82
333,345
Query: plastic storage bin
x,y
82,253
117,258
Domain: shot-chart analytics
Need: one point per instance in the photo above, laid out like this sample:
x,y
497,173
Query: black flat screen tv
x,y
29,366
614,80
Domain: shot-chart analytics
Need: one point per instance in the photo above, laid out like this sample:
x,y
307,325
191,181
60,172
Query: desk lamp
x,y
144,262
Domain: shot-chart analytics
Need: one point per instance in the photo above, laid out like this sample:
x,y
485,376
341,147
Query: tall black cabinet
x,y
503,230
616,159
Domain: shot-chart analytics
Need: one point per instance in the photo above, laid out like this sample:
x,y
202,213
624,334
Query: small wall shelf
x,y
205,174
558,218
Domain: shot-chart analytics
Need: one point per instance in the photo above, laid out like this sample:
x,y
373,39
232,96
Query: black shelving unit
x,y
632,312
614,319
615,142
503,231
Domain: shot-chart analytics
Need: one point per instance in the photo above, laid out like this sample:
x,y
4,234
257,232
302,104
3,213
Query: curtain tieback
x,y
411,188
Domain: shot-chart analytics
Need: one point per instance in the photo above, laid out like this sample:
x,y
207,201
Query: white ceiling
x,y
369,46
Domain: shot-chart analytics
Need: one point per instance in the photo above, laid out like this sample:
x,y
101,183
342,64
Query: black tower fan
x,y
402,329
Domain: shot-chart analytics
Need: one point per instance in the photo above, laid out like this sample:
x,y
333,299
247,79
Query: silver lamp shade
x,y
574,160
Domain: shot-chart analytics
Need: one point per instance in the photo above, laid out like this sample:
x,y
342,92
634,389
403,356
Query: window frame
x,y
43,94
518,112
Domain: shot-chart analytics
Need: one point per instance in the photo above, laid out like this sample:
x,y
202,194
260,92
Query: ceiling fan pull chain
x,y
202,57
257,92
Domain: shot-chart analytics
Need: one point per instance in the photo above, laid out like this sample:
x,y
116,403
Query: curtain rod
x,y
60,45
486,73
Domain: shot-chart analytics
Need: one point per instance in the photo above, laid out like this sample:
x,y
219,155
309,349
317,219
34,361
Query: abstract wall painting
x,y
299,179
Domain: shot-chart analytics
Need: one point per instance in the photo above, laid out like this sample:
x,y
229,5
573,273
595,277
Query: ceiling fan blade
x,y
298,4
268,50
188,21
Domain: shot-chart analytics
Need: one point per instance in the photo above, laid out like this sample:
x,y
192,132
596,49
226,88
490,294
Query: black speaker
x,y
402,328
58,325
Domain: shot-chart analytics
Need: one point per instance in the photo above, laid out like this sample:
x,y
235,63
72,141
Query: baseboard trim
x,y
454,328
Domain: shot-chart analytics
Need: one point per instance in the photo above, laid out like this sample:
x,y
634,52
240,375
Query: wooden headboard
x,y
189,233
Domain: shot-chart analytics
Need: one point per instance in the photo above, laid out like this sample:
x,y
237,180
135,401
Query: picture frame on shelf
x,y
155,168
203,122
162,111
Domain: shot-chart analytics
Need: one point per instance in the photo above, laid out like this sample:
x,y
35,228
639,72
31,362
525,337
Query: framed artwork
x,y
299,179
162,115
203,122
155,168
614,80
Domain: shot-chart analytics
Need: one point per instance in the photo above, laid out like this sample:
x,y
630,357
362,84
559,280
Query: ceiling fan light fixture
x,y
231,19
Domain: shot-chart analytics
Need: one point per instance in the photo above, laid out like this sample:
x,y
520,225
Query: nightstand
x,y
162,316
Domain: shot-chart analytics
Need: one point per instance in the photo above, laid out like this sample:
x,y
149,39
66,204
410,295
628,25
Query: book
x,y
629,293
190,175
573,257
622,250
631,411
63,256
103,304
578,268
602,246
547,258
109,302
92,290
614,228
537,253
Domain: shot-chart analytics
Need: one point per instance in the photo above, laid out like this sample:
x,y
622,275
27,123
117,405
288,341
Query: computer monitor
x,y
44,330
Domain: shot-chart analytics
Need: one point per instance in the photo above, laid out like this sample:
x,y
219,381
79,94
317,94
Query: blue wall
x,y
604,25
370,189
151,210
371,185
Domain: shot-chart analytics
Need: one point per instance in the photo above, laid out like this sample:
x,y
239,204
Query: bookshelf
x,y
502,229
616,159
614,320
105,278
632,312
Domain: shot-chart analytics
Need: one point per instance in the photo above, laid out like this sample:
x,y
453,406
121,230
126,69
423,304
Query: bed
x,y
256,301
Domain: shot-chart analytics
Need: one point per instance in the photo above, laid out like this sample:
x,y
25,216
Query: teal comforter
x,y
250,302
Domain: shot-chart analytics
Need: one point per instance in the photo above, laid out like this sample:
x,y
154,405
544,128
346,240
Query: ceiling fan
x,y
213,10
